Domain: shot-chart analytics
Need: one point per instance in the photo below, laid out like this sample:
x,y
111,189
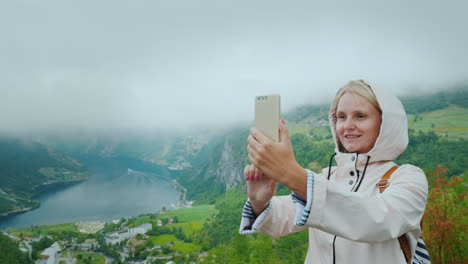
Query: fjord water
x,y
114,192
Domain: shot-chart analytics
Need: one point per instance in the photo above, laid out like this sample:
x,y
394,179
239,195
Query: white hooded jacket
x,y
348,219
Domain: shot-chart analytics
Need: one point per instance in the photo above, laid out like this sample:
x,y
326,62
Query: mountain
x,y
418,104
174,150
27,168
218,167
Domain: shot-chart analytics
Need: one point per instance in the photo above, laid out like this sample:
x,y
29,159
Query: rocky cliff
x,y
219,167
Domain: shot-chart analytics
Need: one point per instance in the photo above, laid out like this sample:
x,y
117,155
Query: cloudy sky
x,y
160,64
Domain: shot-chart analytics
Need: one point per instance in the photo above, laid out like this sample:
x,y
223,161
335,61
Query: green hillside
x,y
10,252
218,164
451,122
27,167
431,102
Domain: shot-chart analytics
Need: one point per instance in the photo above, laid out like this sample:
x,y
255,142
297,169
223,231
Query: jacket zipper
x,y
367,163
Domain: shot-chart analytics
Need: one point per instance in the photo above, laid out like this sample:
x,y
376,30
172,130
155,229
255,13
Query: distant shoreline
x,y
182,203
51,186
19,211
43,189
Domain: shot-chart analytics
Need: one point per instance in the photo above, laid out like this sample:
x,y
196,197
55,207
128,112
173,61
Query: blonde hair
x,y
358,87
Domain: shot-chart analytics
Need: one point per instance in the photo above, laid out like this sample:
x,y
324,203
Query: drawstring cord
x,y
329,166
363,173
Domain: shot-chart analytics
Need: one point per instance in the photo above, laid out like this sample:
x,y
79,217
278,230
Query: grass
x,y
189,227
320,133
184,247
196,213
297,128
191,220
59,227
178,245
43,230
62,174
143,219
163,239
451,121
5,204
96,258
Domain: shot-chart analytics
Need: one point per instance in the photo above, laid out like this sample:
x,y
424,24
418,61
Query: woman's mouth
x,y
351,136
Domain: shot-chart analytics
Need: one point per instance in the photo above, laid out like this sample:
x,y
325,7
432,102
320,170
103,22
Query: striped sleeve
x,y
249,222
421,255
303,206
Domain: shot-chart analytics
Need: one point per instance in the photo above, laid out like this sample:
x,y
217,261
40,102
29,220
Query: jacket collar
x,y
358,160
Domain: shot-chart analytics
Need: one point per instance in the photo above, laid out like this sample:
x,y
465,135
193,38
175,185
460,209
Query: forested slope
x,y
24,165
11,253
217,168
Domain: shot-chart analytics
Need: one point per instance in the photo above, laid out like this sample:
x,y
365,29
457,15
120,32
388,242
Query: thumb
x,y
283,131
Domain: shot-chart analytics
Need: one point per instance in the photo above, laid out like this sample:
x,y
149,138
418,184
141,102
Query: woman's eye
x,y
361,116
341,117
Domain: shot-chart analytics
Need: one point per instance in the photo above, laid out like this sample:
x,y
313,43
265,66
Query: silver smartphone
x,y
267,115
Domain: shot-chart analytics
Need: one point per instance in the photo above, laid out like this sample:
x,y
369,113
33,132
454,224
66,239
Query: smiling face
x,y
357,123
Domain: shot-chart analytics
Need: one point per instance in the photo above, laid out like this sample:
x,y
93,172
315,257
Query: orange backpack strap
x,y
382,185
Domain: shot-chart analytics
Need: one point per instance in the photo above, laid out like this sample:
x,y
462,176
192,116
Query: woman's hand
x,y
260,189
276,160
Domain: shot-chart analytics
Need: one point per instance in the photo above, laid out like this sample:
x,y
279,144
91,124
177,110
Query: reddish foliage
x,y
445,220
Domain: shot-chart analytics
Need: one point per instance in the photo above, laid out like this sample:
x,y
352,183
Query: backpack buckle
x,y
382,184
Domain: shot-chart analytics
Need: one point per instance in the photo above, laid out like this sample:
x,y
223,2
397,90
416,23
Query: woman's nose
x,y
349,124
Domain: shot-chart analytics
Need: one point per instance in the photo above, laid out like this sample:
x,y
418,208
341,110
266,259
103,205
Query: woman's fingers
x,y
253,144
252,158
251,173
283,130
248,172
258,174
259,136
257,151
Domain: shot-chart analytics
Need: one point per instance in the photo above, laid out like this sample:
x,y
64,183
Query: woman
x,y
348,219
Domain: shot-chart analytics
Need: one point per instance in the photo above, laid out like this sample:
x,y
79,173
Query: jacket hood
x,y
393,138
